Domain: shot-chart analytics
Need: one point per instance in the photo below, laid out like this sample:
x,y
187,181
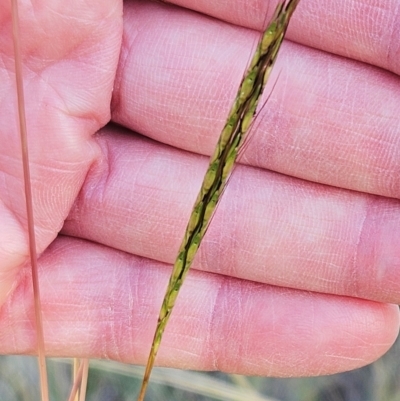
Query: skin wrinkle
x,y
231,239
110,330
228,312
392,58
74,107
137,328
101,176
247,325
159,228
212,88
371,18
14,332
113,316
118,88
13,297
221,239
368,225
100,173
367,39
212,257
384,261
126,49
250,12
239,316
214,335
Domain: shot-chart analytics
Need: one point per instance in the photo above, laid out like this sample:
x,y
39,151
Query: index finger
x,y
367,31
329,119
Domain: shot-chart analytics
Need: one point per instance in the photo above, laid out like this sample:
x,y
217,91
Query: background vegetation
x,y
110,381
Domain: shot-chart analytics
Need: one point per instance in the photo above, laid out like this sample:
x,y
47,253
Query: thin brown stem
x,y
28,199
80,374
75,370
77,383
85,376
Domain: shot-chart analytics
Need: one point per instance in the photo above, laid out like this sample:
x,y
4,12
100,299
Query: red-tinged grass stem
x,y
28,199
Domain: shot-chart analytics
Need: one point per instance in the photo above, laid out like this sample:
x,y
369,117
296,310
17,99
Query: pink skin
x,y
300,269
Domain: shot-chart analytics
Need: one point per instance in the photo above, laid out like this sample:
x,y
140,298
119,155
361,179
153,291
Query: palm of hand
x,y
134,195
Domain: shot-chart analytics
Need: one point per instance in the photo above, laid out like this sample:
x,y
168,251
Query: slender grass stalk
x,y
80,374
85,377
75,370
74,395
221,164
81,366
28,199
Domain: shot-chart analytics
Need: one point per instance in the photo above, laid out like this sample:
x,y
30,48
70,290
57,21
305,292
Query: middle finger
x,y
268,228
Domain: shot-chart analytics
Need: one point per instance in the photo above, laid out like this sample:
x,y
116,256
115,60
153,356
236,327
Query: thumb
x,y
69,59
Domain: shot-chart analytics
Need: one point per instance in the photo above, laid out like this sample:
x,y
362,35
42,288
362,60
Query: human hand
x,y
305,269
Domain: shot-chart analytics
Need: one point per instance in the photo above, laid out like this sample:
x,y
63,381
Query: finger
x,y
362,30
328,119
219,323
69,56
268,228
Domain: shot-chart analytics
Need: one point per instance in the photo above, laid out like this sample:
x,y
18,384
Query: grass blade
x,y
221,164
